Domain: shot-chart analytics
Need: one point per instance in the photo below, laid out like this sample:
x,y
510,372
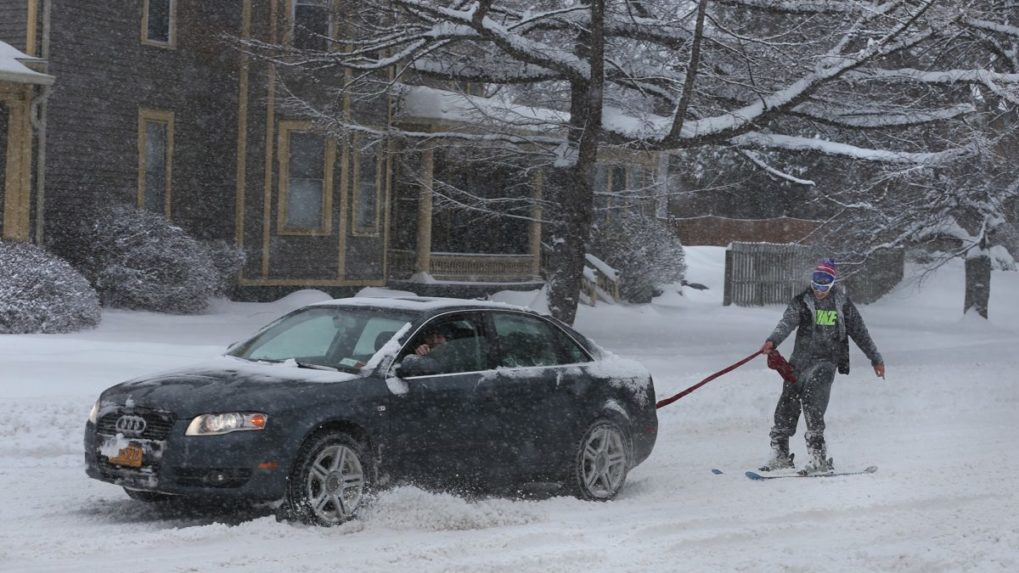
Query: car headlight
x,y
217,424
93,414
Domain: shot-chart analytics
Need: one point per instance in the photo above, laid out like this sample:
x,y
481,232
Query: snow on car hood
x,y
227,382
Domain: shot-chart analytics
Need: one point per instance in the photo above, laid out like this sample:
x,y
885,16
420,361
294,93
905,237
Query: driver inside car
x,y
432,340
427,356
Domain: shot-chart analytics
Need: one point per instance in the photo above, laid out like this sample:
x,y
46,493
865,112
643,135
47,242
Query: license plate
x,y
130,456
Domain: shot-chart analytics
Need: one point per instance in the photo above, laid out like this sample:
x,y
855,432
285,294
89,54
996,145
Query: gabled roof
x,y
13,69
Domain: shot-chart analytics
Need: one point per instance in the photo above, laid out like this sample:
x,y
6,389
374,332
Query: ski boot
x,y
819,463
781,459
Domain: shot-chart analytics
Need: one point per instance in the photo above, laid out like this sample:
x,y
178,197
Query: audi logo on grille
x,y
131,424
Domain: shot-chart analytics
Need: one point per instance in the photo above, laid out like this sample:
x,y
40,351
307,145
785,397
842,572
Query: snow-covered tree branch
x,y
559,80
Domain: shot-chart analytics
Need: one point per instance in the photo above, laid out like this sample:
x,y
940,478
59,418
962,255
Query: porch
x,y
441,248
465,267
17,93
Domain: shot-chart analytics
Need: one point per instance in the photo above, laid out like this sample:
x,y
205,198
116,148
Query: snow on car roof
x,y
418,303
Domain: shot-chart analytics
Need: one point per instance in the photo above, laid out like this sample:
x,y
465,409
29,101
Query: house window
x,y
643,182
601,188
618,184
306,172
367,183
158,23
4,136
4,131
311,24
155,160
609,189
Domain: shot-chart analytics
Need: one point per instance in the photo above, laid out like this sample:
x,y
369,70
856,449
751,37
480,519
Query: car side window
x,y
529,341
572,353
455,343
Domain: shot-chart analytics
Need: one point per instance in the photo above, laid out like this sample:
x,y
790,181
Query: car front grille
x,y
157,424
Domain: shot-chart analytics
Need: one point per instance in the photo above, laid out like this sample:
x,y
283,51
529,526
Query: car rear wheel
x,y
601,462
329,481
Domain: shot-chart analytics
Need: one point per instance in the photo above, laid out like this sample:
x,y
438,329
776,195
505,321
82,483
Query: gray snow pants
x,y
810,394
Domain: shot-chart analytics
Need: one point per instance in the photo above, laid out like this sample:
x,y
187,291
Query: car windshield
x,y
325,337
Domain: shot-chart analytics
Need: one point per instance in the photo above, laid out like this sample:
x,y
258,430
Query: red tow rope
x,y
671,399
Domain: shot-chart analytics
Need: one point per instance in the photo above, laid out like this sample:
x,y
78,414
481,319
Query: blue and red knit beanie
x,y
827,267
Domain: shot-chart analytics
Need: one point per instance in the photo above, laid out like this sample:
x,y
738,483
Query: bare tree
x,y
961,208
658,75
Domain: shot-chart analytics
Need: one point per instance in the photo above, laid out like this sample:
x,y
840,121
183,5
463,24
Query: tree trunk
x,y
573,190
978,283
569,242
574,187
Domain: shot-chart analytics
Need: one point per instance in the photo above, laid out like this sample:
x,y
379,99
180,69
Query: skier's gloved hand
x,y
767,347
777,362
879,369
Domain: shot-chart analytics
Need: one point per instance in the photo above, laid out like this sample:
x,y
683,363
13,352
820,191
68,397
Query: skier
x,y
824,317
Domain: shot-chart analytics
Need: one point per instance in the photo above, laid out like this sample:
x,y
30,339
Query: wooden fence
x,y
765,273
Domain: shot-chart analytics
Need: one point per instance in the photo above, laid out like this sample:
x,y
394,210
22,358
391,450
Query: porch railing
x,y
466,267
600,281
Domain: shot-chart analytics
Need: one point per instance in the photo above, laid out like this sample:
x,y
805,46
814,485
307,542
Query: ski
x,y
757,476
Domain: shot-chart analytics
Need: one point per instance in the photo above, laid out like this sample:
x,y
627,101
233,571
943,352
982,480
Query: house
x,y
154,102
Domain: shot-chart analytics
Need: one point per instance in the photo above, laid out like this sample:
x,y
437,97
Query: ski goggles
x,y
821,281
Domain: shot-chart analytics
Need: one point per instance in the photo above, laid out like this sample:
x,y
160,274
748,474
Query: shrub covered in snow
x,y
228,260
41,293
643,249
139,260
1008,238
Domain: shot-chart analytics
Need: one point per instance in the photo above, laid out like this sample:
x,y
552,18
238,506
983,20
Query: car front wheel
x,y
329,481
601,462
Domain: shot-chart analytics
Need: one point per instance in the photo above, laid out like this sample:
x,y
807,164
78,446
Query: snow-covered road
x,y
941,427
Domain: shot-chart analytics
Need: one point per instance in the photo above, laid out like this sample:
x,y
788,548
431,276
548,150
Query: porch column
x,y
18,161
534,227
424,236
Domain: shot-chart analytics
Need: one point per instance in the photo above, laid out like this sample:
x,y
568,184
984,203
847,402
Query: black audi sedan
x,y
336,399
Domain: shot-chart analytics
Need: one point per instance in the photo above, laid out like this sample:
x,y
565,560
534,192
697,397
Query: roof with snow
x,y
13,68
421,102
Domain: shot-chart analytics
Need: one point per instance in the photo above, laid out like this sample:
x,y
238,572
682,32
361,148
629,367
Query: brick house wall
x,y
14,22
105,75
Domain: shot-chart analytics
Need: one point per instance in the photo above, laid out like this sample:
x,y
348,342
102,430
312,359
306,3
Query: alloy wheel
x,y
335,483
603,461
